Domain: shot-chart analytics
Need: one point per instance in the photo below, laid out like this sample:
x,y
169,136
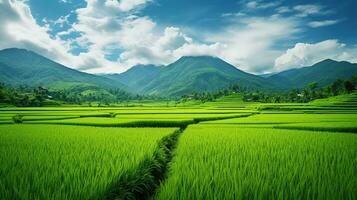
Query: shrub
x,y
17,119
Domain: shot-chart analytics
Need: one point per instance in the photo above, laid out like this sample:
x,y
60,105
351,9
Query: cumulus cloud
x,y
191,49
304,54
139,39
250,46
19,29
125,5
115,36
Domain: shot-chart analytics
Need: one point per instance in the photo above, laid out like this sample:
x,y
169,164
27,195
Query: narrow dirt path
x,y
142,182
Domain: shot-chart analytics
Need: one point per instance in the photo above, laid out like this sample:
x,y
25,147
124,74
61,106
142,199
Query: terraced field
x,y
230,150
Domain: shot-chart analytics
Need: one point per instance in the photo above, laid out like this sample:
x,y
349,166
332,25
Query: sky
x,y
111,36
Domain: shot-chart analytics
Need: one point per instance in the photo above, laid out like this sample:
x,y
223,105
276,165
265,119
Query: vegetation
x,y
22,67
17,119
187,75
66,162
76,94
231,149
323,73
217,162
310,93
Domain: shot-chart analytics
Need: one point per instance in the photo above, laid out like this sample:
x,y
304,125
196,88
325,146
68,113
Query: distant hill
x,y
324,73
136,77
22,67
192,74
186,75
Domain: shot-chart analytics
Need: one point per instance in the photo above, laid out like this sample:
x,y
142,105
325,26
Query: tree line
x,y
24,96
311,92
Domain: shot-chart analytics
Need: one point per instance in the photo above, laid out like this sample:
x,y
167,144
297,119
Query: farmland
x,y
243,163
226,149
66,162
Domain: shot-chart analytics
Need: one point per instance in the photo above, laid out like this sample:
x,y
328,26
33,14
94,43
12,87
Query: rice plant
x,y
68,162
219,162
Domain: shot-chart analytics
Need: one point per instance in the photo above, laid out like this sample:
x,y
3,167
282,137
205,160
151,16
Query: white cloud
x,y
249,43
61,21
316,24
310,9
261,4
108,26
283,9
304,54
125,5
140,39
65,1
238,14
19,29
192,49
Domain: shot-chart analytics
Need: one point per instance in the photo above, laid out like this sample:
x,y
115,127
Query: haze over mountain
x,y
22,67
186,75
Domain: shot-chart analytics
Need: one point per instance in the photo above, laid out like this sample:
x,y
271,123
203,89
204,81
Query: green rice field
x,y
67,162
225,149
242,163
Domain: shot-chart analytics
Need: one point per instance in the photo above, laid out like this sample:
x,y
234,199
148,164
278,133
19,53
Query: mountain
x,y
324,73
136,77
23,67
192,74
186,75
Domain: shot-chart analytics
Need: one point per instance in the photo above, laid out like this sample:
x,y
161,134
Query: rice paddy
x,y
238,163
67,162
230,150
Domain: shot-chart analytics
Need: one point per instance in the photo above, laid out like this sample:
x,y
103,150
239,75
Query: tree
x,y
313,86
337,87
349,86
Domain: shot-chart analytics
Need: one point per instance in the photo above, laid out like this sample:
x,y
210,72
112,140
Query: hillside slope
x,y
22,67
324,73
196,74
136,77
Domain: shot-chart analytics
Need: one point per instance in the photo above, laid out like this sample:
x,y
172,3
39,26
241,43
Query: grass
x,y
232,163
67,162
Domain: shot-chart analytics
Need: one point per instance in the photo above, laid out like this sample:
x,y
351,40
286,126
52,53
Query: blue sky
x,y
106,36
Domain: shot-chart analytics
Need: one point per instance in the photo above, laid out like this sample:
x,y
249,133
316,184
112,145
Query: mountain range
x,y
23,67
324,73
186,75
